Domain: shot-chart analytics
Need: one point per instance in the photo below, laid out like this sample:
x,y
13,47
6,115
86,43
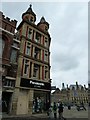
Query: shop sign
x,y
35,84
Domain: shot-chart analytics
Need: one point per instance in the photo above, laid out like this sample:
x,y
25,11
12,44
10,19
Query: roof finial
x,y
30,6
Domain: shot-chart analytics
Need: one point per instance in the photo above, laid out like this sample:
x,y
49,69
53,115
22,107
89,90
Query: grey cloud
x,y
65,62
69,36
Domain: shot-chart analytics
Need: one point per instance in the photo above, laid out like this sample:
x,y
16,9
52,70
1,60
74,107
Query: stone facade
x,y
74,94
25,66
7,67
33,72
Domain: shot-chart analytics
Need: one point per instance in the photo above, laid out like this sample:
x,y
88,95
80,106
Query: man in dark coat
x,y
60,111
47,107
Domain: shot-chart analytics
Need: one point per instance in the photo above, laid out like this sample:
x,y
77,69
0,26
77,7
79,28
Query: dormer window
x,y
46,28
31,19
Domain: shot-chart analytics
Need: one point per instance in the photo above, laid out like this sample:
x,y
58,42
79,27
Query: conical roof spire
x,y
42,20
30,11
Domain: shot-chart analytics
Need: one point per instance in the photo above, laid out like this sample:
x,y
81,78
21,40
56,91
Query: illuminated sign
x,y
35,84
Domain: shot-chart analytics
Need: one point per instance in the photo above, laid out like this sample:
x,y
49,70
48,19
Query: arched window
x,y
2,45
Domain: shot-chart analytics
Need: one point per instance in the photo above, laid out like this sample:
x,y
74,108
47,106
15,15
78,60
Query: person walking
x,y
82,104
60,111
55,110
47,107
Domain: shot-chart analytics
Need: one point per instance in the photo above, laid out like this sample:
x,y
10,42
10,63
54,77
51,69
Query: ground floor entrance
x,y
32,96
6,101
40,99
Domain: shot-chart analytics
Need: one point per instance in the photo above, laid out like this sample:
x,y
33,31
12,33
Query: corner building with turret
x,y
33,83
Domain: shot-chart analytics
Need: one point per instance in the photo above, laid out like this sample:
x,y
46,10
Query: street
x,y
72,114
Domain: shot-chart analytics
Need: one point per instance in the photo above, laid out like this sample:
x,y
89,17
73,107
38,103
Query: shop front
x,y
37,99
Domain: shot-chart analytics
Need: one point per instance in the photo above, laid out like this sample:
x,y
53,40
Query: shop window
x,y
28,49
26,67
13,57
46,56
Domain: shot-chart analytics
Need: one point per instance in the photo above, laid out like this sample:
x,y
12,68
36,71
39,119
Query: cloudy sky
x,y
69,37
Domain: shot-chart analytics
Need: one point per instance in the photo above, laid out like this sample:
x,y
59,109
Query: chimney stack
x,y
63,87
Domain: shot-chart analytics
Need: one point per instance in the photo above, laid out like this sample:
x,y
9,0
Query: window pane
x,y
15,44
14,56
29,33
28,50
2,45
26,67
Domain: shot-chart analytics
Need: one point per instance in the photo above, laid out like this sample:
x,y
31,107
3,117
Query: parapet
x,y
7,19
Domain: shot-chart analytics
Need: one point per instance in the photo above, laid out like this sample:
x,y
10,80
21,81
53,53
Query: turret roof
x,y
29,11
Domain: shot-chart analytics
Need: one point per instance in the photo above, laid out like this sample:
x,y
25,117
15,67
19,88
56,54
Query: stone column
x,y
41,55
32,68
30,106
22,46
41,72
14,101
33,51
17,86
34,35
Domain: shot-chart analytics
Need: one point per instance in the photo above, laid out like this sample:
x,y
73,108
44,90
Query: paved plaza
x,y
72,114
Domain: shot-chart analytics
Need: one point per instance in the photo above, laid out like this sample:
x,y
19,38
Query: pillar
x,y
30,107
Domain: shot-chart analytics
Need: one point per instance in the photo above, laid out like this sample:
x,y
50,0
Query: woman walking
x,y
55,110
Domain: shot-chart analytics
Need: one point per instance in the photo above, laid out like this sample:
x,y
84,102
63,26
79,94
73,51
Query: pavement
x,y
72,114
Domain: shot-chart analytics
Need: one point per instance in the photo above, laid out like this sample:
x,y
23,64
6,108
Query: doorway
x,y
6,101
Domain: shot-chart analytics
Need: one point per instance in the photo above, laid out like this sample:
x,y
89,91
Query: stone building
x,y
72,94
8,53
33,83
78,93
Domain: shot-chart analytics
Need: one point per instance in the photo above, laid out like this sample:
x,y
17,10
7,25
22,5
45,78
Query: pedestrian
x,y
47,107
55,110
36,105
60,111
82,104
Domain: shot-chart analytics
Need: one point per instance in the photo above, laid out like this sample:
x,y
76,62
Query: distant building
x,y
72,94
